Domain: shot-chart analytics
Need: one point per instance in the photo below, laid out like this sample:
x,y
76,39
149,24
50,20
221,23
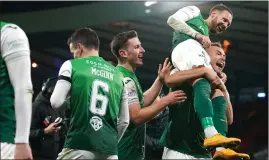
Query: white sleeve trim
x,y
131,91
62,86
123,118
66,69
178,20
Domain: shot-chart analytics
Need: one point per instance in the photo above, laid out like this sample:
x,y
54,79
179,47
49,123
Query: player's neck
x,y
90,53
127,66
208,21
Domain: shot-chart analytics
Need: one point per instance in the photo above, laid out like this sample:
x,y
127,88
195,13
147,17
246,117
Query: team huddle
x,y
108,107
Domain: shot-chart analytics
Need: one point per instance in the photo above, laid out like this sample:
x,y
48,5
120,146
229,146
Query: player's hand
x,y
52,128
164,69
223,77
218,83
23,151
175,97
204,40
210,74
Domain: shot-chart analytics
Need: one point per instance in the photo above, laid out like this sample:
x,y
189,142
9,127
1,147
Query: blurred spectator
x,y
46,135
155,128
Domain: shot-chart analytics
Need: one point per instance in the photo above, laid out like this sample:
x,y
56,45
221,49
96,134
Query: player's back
x,y
96,89
184,133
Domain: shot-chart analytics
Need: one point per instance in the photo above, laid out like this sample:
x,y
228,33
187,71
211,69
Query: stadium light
x,y
34,65
261,95
149,3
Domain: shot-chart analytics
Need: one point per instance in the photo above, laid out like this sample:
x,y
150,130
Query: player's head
x,y
221,18
83,40
127,48
217,56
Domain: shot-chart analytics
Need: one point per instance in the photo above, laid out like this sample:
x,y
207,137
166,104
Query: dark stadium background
x,y
49,25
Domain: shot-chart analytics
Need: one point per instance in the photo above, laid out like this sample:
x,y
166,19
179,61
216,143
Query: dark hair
x,y
48,87
86,36
217,44
221,7
120,41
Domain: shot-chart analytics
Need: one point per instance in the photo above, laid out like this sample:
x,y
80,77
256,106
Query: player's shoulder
x,y
10,29
192,9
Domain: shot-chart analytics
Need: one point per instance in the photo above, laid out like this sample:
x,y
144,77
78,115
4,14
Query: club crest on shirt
x,y
96,123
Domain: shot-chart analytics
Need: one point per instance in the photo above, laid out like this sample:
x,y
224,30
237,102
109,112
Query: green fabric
x,y
96,90
207,122
183,132
219,118
198,24
7,110
131,145
202,102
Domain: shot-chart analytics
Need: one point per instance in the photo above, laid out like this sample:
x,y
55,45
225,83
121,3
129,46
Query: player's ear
x,y
123,53
213,14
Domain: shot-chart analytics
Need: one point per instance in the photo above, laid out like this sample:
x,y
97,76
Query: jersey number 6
x,y
95,96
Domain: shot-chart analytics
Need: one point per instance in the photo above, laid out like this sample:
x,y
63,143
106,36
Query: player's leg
x,y
172,154
185,56
220,122
7,150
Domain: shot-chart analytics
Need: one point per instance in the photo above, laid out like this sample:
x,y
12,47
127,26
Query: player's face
x,y
218,58
221,21
75,50
135,52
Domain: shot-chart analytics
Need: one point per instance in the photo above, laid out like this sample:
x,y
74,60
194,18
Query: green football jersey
x,y
184,132
131,145
7,111
96,92
197,23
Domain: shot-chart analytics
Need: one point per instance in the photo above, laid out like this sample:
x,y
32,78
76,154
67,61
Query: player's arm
x,y
180,77
151,94
178,20
139,115
16,54
62,86
229,110
123,118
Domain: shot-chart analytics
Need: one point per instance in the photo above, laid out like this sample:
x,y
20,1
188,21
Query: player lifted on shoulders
x,y
189,40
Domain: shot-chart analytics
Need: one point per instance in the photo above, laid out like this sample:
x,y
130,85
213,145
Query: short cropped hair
x,y
221,7
217,44
87,37
120,41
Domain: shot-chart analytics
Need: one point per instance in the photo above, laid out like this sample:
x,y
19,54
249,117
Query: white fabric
x,y
82,154
7,151
66,69
171,154
59,94
62,87
123,117
189,54
16,53
13,40
131,91
178,20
